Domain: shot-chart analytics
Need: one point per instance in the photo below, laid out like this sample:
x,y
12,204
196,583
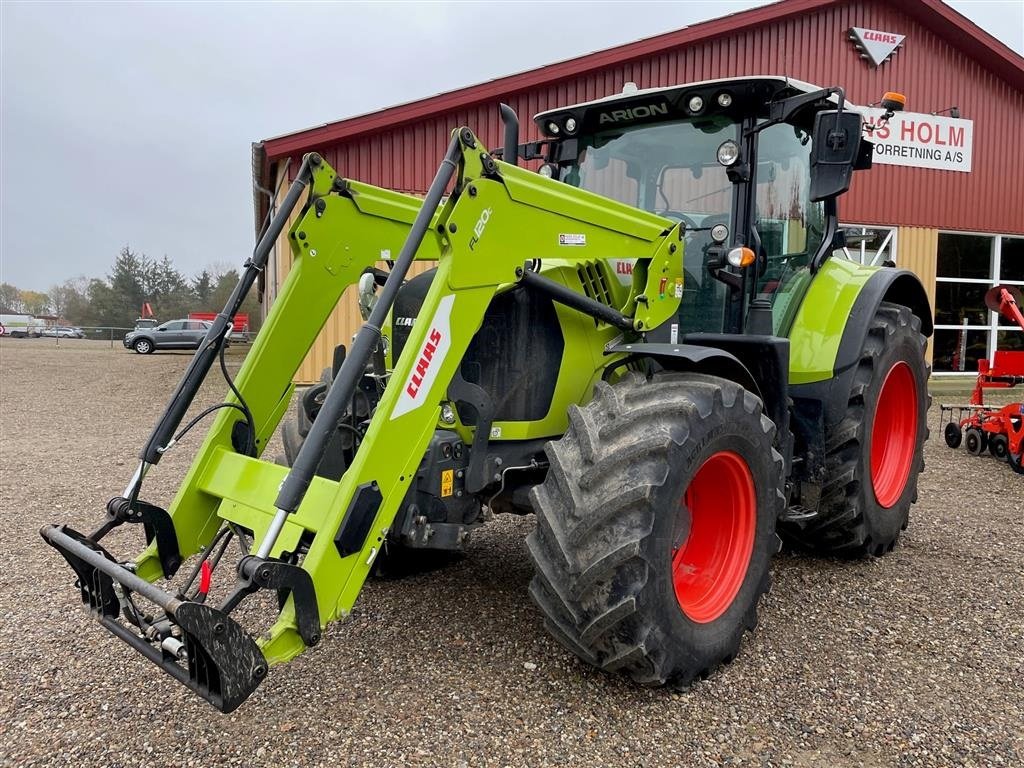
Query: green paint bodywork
x,y
821,319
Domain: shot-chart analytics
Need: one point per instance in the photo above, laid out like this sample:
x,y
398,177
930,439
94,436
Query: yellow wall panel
x,y
917,250
343,322
340,327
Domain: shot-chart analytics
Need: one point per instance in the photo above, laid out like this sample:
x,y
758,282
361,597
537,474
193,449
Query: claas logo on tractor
x,y
423,364
665,429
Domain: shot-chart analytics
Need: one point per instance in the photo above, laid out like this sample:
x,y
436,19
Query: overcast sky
x,y
132,122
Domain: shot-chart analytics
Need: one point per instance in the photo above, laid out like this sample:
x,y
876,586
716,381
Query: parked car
x,y
174,334
63,333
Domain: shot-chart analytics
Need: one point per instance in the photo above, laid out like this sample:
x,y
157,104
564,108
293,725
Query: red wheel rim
x,y
709,567
894,434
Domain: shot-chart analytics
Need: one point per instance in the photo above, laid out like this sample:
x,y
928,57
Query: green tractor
x,y
655,345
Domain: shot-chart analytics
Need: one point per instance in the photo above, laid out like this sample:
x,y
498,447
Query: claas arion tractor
x,y
980,427
654,345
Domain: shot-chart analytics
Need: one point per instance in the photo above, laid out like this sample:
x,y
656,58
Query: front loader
x,y
654,344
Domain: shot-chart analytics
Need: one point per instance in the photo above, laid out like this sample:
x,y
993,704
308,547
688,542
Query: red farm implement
x,y
980,427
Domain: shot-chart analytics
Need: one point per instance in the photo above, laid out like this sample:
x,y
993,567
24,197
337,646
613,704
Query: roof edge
x,y
992,52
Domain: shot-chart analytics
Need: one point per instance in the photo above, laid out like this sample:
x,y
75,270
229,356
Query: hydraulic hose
x,y
205,357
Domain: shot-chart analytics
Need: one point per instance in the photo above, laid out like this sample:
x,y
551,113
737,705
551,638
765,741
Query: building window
x,y
870,245
966,331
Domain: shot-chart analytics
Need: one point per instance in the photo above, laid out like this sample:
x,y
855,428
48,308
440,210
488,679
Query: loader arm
x,y
330,252
317,538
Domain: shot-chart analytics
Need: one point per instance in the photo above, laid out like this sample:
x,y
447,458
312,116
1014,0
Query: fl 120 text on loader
x,y
655,345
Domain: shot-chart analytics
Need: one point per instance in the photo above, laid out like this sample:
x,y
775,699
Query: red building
x,y
946,196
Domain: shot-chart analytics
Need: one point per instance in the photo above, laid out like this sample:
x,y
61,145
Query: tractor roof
x,y
627,93
750,93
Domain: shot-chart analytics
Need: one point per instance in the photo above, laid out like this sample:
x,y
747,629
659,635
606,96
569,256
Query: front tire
x,y
143,346
656,526
876,452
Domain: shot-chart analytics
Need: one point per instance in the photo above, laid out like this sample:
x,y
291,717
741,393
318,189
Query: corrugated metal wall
x,y
812,47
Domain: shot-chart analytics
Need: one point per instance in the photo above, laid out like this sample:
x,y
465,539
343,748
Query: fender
x,y
820,394
834,316
898,286
688,357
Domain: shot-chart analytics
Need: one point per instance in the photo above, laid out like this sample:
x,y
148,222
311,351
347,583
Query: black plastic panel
x,y
516,355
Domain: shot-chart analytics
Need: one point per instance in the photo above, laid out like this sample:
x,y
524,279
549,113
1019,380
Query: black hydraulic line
x,y
207,353
579,302
204,414
206,556
293,489
250,448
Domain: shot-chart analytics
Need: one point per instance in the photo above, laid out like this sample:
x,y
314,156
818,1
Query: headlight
x,y
553,128
570,125
547,170
695,104
728,153
724,99
447,413
719,233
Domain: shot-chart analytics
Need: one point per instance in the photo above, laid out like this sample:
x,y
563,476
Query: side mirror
x,y
834,151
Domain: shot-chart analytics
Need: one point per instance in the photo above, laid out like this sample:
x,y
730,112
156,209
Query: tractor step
x,y
199,645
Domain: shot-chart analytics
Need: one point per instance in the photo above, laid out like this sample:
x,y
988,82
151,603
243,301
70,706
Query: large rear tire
x,y
656,526
876,452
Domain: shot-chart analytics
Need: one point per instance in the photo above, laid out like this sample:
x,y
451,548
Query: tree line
x,y
117,299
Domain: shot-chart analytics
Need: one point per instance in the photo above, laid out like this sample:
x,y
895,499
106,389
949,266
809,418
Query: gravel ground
x,y
913,659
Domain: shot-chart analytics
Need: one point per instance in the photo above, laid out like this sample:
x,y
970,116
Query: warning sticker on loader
x,y
447,480
569,239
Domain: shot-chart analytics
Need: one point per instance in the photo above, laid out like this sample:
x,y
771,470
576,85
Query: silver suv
x,y
174,334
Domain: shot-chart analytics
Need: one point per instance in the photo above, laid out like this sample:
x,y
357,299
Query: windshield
x,y
669,169
672,169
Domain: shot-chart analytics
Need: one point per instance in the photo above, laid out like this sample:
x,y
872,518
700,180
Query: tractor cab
x,y
738,162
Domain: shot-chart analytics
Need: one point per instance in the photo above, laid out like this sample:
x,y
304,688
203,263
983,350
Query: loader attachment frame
x,y
211,654
314,539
